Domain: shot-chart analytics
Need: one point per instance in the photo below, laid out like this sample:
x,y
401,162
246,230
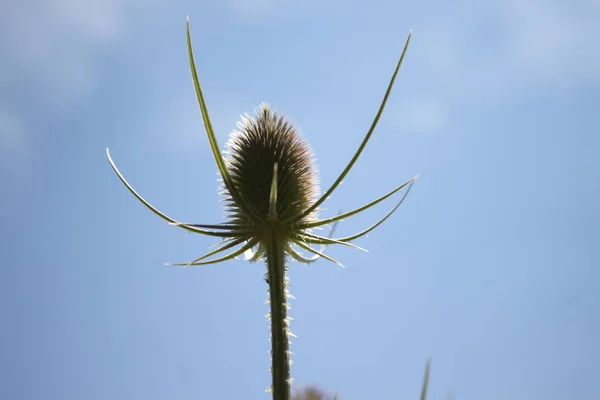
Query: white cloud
x,y
252,6
49,45
14,165
512,45
486,53
258,9
49,51
12,137
422,116
180,123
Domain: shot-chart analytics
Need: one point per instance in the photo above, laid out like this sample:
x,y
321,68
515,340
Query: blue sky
x,y
490,267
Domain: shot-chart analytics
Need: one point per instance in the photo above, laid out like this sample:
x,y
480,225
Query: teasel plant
x,y
271,198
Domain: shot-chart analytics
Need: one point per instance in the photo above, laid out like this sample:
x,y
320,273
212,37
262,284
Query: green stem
x,y
276,269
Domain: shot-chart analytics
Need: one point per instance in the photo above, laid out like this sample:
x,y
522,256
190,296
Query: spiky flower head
x,y
260,143
270,188
270,185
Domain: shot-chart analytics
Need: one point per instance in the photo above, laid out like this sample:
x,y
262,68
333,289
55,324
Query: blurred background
x,y
490,266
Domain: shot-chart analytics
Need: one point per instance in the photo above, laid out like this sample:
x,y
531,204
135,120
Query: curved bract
x,y
253,151
271,200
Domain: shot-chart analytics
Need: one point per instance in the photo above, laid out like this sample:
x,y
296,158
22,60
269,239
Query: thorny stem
x,y
280,357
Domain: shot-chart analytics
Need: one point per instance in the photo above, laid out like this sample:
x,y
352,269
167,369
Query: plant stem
x,y
426,380
276,270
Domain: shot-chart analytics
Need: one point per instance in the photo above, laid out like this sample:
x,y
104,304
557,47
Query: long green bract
x,y
362,145
154,209
210,132
357,210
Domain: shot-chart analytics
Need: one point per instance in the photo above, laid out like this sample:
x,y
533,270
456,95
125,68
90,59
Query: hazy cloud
x,y
12,130
513,45
258,9
422,116
484,53
49,52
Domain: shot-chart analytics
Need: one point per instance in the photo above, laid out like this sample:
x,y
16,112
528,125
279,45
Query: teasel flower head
x,y
273,170
271,197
